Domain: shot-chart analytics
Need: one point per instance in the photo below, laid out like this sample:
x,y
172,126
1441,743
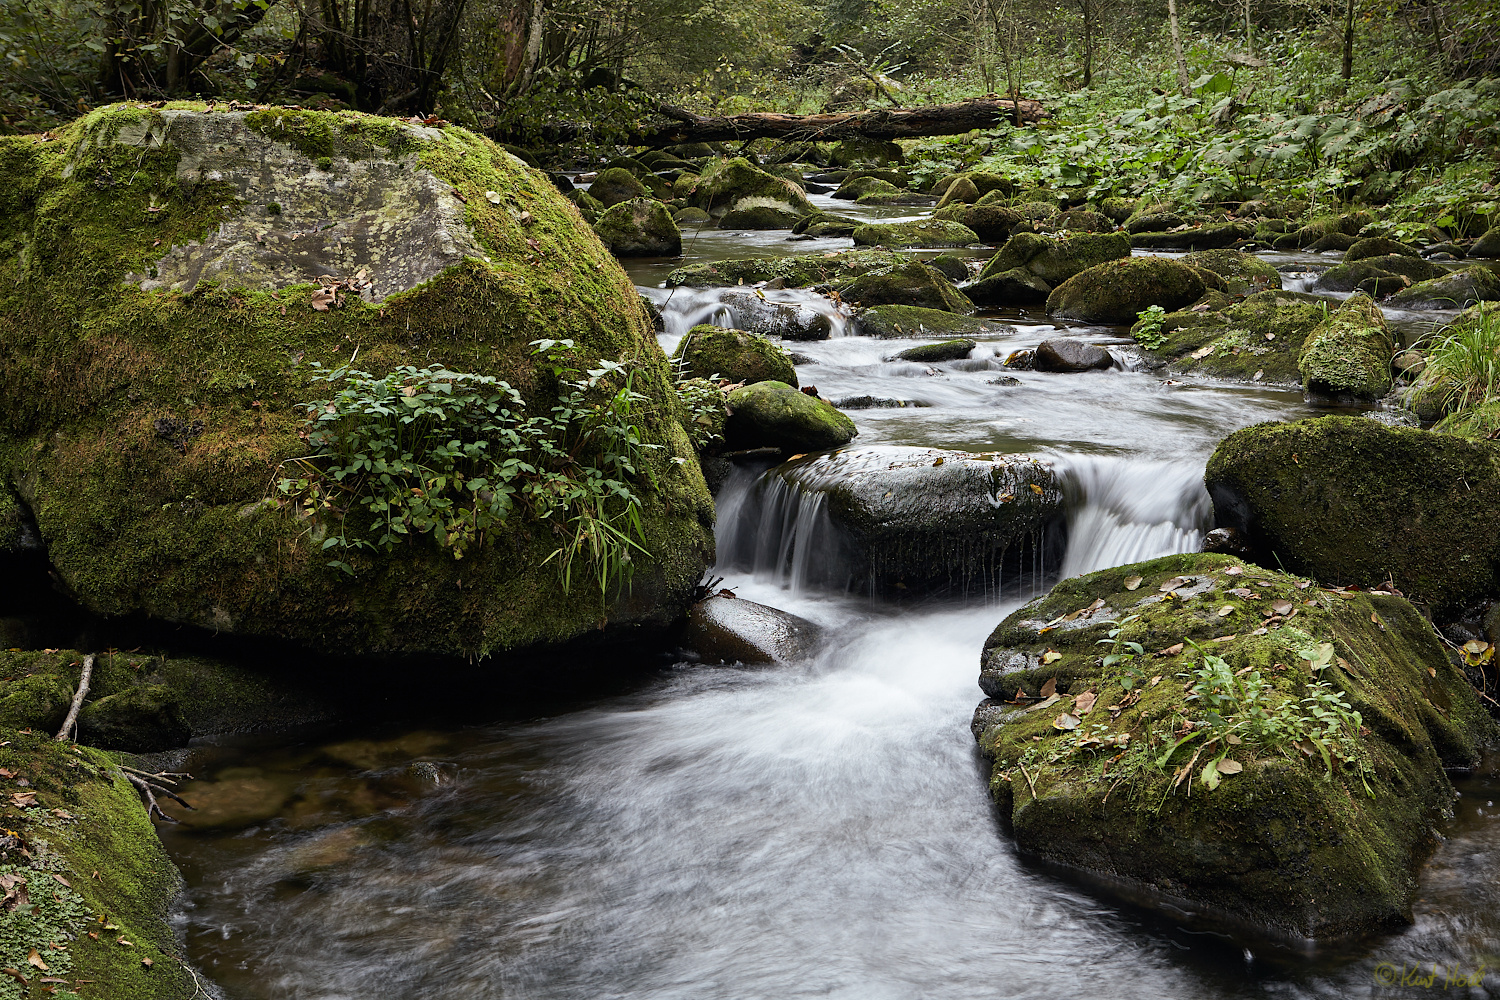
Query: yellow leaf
x,y
1051,656
35,959
1227,766
1133,583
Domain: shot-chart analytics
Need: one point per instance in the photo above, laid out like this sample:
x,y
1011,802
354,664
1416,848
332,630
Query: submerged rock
x,y
947,350
1067,354
1349,353
1116,291
1162,772
1353,501
775,415
893,321
727,629
444,247
641,227
708,351
921,521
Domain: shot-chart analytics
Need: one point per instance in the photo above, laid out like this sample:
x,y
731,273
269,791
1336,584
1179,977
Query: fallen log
x,y
669,126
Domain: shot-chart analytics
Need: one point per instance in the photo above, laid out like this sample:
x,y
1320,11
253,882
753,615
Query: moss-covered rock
x,y
1117,209
747,215
775,415
852,188
912,284
1208,237
1349,354
826,224
157,321
1117,774
961,191
991,223
1350,275
1488,245
1055,259
91,892
1456,290
1083,221
732,355
922,521
691,216
615,186
1314,230
950,266
588,206
853,152
1016,287
896,321
1243,273
796,272
926,233
1334,242
1153,222
1350,500
1377,246
1116,291
724,184
641,227
947,350
1259,339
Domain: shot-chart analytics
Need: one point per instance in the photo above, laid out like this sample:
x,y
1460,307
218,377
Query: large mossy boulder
x,y
1259,339
775,415
912,284
1349,353
854,152
169,276
1016,287
991,223
1456,290
797,271
892,321
738,183
1488,245
1349,500
641,227
857,186
1350,275
1055,259
1194,772
747,214
1377,246
79,853
615,186
1199,238
1243,273
1116,291
923,521
732,355
925,233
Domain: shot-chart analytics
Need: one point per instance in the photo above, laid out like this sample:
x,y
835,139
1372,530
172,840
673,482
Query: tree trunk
x,y
1348,73
1182,73
521,31
1249,42
670,126
1088,43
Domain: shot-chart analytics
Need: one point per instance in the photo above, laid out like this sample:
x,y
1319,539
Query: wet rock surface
x,y
727,629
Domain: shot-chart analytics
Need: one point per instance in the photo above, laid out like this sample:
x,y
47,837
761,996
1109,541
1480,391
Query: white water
x,y
819,830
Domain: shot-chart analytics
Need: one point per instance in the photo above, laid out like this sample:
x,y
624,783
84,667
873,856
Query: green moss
x,y
854,187
88,827
912,284
1055,259
1114,292
641,227
725,182
947,350
928,233
1243,273
1347,276
1349,353
1263,334
893,321
773,414
795,271
1349,500
732,355
134,525
1280,844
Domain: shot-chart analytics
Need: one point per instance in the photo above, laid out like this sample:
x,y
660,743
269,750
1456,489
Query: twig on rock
x,y
149,788
78,696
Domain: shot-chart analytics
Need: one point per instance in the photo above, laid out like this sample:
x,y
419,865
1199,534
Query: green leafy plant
x,y
1462,369
454,456
704,402
1147,331
1119,663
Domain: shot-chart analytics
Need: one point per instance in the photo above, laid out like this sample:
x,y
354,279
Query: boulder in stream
x,y
1456,290
708,351
1068,354
1016,287
723,628
1348,355
279,238
1055,259
1223,771
727,184
1243,273
892,321
615,186
641,227
912,284
1349,275
947,350
926,233
991,223
1349,500
1115,292
857,185
1488,245
919,521
747,214
1212,237
1259,339
1377,246
775,415
797,271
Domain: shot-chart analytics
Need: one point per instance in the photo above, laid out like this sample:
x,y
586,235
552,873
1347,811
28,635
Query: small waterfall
x,y
780,532
788,313
1126,510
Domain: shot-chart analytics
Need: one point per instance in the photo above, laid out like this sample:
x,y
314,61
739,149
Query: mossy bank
x,y
168,275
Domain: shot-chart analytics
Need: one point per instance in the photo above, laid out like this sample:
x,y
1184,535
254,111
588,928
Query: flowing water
x,y
814,830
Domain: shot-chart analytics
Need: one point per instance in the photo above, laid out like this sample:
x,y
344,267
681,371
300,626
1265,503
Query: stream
x,y
814,830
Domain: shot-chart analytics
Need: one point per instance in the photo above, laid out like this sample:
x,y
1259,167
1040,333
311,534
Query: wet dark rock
x,y
1453,250
951,267
1015,287
948,350
1487,245
917,520
910,284
1065,354
1229,541
1380,287
1456,290
724,629
875,403
1348,276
